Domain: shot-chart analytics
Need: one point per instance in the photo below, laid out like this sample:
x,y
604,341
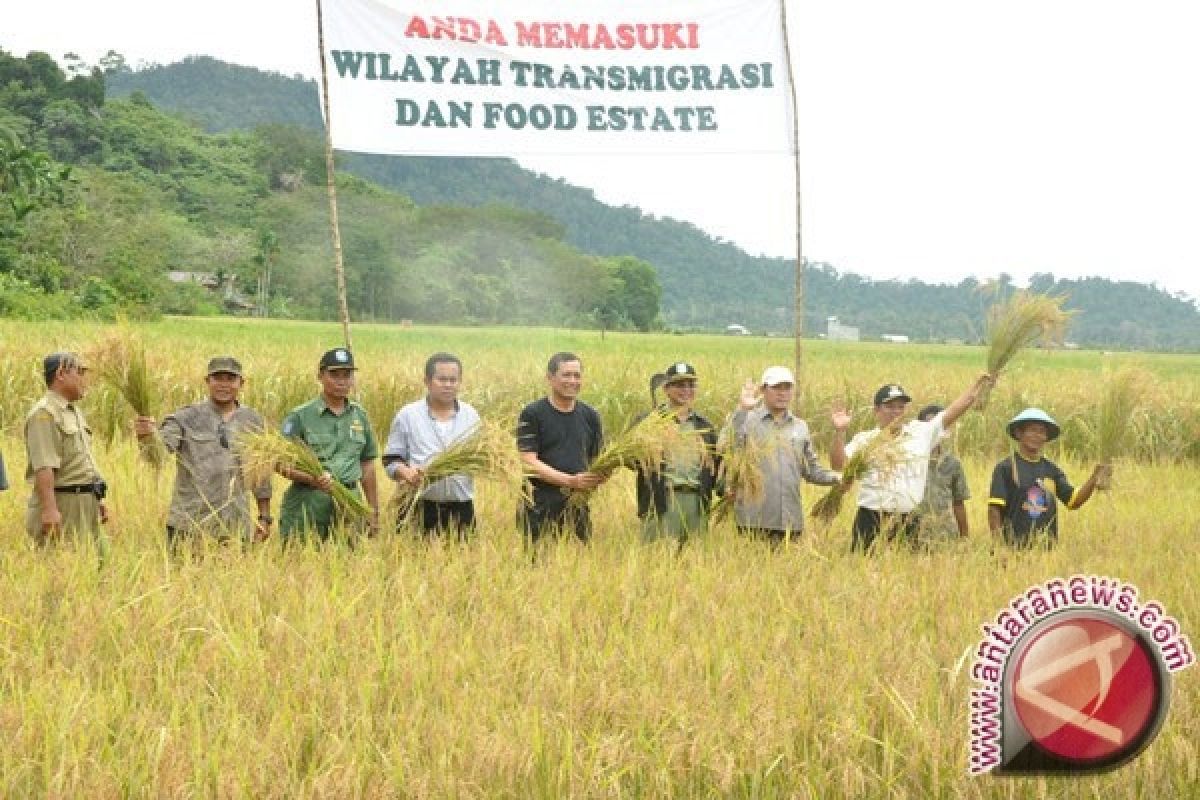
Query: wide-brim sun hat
x,y
1034,415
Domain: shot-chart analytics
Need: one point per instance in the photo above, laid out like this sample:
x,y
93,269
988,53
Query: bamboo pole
x,y
799,288
331,187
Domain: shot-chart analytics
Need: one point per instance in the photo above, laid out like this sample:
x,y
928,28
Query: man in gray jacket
x,y
783,450
210,496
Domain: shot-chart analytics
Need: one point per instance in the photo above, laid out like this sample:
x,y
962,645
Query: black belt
x,y
351,486
686,489
83,488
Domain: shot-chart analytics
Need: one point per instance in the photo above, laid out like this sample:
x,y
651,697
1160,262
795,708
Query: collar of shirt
x,y
765,414
429,410
60,402
323,407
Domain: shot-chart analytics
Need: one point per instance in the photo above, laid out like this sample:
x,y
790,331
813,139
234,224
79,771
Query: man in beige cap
x,y
68,490
210,495
785,457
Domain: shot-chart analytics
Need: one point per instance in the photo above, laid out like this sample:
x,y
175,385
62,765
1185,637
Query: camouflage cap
x,y
224,364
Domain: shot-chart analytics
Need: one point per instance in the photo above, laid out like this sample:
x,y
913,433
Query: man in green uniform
x,y
68,490
338,431
210,495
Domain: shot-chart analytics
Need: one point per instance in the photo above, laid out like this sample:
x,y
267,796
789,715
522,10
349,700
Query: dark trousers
x,y
772,535
451,517
554,517
868,524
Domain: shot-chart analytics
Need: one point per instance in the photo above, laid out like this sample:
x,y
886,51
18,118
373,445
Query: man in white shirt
x,y
425,428
888,496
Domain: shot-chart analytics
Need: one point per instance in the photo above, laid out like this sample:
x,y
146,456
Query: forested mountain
x,y
706,283
107,200
151,193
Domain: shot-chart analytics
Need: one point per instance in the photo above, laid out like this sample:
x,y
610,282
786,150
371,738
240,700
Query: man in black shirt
x,y
558,436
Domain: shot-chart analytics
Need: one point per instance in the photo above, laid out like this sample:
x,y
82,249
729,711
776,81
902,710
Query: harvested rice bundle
x,y
1018,323
485,452
265,453
741,474
882,452
120,361
642,446
1121,395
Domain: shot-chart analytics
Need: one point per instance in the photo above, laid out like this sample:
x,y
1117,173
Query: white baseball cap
x,y
773,376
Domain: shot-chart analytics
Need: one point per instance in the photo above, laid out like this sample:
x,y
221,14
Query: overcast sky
x,y
939,138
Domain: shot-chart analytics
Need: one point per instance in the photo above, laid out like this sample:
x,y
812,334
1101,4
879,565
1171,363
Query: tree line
x,y
256,133
108,198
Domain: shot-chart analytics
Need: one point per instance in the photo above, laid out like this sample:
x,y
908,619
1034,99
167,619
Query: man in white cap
x,y
785,456
888,495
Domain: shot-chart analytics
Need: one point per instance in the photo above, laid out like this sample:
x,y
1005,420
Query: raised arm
x,y
841,423
967,399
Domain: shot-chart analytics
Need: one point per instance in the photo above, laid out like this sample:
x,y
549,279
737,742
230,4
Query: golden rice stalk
x,y
642,446
265,453
882,453
741,474
1021,321
486,452
1123,391
120,361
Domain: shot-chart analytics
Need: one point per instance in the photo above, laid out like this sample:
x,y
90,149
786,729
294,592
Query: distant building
x,y
208,280
836,331
895,338
736,330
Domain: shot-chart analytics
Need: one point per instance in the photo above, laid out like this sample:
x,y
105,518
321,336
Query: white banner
x,y
468,78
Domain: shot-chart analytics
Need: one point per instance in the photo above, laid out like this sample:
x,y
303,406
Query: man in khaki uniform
x,y
68,490
210,495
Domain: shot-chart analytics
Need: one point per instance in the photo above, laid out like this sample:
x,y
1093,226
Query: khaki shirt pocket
x,y
204,446
71,437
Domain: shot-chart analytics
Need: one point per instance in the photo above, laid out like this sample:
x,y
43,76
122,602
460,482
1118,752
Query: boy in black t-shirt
x,y
1021,504
558,436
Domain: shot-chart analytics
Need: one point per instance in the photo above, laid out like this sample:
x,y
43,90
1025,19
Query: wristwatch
x,y
267,518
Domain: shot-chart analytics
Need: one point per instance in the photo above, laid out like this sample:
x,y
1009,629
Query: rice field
x,y
405,669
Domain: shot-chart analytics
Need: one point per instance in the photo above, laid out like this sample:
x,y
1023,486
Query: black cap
x,y
55,361
930,411
892,391
337,358
679,371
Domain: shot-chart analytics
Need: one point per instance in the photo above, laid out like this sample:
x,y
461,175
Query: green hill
x,y
233,187
706,283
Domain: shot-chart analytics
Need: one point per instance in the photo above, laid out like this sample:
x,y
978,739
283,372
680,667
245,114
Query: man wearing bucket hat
x,y
673,501
888,498
209,496
783,453
68,490
1025,486
339,432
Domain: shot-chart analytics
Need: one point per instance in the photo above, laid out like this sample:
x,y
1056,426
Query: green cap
x,y
224,364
